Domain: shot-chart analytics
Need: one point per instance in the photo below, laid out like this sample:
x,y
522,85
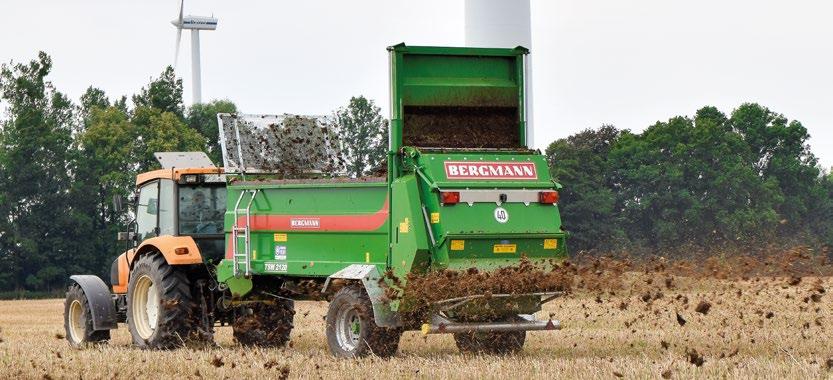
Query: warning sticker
x,y
550,243
504,248
435,217
280,252
280,237
458,245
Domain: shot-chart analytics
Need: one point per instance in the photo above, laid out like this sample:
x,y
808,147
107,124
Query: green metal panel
x,y
410,242
455,77
314,230
527,227
432,165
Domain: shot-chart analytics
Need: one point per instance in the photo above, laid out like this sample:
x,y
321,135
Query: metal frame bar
x,y
428,227
442,325
223,148
242,166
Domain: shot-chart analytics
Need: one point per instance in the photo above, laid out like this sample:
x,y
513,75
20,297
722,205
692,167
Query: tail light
x,y
548,197
450,197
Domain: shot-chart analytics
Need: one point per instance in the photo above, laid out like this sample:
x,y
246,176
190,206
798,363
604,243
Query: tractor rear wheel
x,y
265,325
493,343
160,311
78,320
351,329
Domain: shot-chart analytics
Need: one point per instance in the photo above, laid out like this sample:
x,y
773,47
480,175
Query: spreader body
x,y
462,190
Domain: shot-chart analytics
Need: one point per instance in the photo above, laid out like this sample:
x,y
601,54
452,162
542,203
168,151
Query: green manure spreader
x,y
462,189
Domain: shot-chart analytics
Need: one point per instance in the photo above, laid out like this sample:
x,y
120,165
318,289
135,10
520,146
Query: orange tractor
x,y
176,235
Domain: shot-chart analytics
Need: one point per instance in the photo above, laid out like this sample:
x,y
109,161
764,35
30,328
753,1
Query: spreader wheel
x,y
494,343
351,329
265,325
78,321
160,311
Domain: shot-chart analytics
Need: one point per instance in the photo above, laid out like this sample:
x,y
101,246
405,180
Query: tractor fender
x,y
102,308
375,288
168,245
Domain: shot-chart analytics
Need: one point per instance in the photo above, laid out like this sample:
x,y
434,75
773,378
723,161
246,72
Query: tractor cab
x,y
187,197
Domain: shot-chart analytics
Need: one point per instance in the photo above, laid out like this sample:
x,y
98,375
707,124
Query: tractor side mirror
x,y
118,203
126,236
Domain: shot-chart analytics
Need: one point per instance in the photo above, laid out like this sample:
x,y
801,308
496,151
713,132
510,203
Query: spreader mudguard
x,y
375,288
100,300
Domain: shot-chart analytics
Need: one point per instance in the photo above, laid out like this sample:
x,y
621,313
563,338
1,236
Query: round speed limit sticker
x,y
501,215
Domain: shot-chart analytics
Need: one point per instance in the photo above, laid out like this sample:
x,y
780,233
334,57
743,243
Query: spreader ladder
x,y
238,231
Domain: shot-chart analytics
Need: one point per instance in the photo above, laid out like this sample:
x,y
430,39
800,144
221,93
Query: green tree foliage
x,y
163,94
92,99
62,164
708,182
38,227
782,157
588,202
686,181
203,119
363,136
161,131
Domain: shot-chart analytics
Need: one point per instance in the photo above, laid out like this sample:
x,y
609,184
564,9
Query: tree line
x,y
710,183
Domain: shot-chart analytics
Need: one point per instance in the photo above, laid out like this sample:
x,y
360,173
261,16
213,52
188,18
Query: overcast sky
x,y
627,63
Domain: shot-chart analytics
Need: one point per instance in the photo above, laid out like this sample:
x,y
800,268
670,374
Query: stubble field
x,y
764,327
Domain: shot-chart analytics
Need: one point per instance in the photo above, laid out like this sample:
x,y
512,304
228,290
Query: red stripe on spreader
x,y
326,223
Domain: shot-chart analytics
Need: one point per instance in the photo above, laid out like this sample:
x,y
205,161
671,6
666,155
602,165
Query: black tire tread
x,y
380,341
177,324
90,336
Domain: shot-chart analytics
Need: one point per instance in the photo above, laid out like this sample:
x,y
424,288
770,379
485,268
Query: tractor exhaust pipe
x,y
442,325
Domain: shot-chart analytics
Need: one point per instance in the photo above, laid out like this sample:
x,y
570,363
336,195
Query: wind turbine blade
x,y
181,6
178,40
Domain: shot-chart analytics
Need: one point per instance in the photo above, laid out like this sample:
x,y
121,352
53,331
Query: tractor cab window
x,y
166,207
201,209
146,210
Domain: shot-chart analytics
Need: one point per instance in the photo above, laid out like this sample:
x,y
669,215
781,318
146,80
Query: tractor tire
x,y
78,320
491,343
351,329
265,325
160,310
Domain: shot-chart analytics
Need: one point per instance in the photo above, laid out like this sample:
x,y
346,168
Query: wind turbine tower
x,y
194,24
504,24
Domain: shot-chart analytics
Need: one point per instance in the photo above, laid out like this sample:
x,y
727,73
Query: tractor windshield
x,y
201,209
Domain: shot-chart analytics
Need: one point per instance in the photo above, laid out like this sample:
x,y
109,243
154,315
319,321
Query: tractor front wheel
x,y
493,343
160,310
78,320
351,329
265,324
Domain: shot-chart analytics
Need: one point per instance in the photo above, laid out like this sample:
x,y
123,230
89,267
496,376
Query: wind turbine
x,y
194,24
